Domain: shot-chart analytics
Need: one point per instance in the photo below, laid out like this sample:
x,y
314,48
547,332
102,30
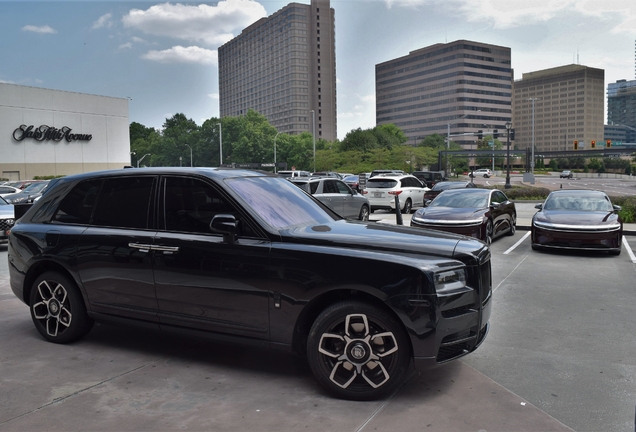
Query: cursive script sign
x,y
48,133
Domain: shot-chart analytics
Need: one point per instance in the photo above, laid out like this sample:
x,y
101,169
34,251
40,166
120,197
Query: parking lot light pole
x,y
187,145
275,136
448,140
220,145
313,117
508,126
142,158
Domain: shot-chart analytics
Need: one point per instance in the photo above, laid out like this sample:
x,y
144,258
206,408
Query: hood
x,y
378,237
450,213
577,218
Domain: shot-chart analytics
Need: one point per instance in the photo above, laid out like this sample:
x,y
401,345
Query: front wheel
x,y
364,213
513,225
358,351
489,233
57,308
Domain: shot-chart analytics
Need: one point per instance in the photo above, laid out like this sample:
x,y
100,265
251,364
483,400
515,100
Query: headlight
x,y
450,280
17,200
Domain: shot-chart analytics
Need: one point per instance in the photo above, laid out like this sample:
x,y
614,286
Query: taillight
x,y
364,192
397,192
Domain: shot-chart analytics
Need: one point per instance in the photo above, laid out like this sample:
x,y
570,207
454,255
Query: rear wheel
x,y
408,205
358,351
57,308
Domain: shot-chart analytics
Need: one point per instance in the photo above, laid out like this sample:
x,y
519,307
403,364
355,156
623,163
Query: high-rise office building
x,y
458,87
621,106
284,67
560,105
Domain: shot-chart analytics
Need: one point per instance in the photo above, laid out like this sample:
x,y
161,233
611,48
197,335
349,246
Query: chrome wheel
x,y
407,207
364,213
357,352
53,308
513,225
57,308
489,233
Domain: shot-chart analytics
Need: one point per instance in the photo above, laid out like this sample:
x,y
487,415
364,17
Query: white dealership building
x,y
50,132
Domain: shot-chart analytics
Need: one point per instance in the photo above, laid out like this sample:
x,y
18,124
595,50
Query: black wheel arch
x,y
46,266
311,311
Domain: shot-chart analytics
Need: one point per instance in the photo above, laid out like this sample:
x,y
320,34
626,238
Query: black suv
x,y
430,178
249,257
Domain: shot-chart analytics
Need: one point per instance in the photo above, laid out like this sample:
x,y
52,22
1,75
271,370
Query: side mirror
x,y
539,206
226,225
427,202
495,204
617,208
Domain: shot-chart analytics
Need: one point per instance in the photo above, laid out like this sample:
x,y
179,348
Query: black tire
x,y
535,247
57,308
364,213
513,225
486,176
408,206
488,235
347,368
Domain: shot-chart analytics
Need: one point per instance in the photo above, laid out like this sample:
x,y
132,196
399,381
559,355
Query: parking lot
x,y
560,355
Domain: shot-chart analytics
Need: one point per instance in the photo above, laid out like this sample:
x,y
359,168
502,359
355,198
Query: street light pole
x,y
448,140
532,162
313,117
508,126
220,145
190,154
276,136
142,158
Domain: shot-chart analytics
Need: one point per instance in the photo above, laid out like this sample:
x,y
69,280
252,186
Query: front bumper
x,y
577,239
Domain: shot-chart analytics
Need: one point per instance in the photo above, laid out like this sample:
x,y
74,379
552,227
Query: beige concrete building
x,y
50,132
568,106
284,67
458,87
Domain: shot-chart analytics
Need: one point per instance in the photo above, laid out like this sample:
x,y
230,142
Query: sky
x,y
162,56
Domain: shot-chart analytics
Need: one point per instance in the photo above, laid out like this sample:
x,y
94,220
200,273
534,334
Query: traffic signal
x,y
480,134
512,134
608,143
576,145
495,134
593,144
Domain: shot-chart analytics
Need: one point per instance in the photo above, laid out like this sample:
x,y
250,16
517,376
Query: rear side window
x,y
77,206
124,203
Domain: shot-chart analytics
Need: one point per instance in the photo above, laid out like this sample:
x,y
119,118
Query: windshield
x,y
461,200
277,202
34,188
3,202
578,203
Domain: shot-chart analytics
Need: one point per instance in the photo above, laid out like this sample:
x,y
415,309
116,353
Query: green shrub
x,y
47,177
628,210
525,192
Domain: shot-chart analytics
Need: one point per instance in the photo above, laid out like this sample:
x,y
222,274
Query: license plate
x,y
377,194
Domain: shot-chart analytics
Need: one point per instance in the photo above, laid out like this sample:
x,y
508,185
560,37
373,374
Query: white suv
x,y
381,191
481,172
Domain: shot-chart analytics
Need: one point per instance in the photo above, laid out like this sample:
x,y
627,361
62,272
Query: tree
x,y
180,138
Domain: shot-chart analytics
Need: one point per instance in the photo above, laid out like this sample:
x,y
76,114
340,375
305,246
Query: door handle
x,y
141,247
166,249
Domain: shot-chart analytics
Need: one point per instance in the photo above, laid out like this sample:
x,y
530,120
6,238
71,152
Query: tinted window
x,y
6,190
329,186
124,203
190,205
343,188
77,206
381,183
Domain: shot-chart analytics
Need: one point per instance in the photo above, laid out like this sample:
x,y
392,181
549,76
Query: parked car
x,y
484,214
481,172
21,184
353,181
293,173
430,178
327,174
566,174
336,195
7,219
249,257
381,191
385,172
7,190
28,194
577,219
442,186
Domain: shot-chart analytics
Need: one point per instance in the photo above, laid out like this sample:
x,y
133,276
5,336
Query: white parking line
x,y
518,243
629,250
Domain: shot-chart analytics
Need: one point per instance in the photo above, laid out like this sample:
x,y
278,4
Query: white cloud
x,y
179,54
103,21
214,96
41,29
211,25
127,45
136,39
